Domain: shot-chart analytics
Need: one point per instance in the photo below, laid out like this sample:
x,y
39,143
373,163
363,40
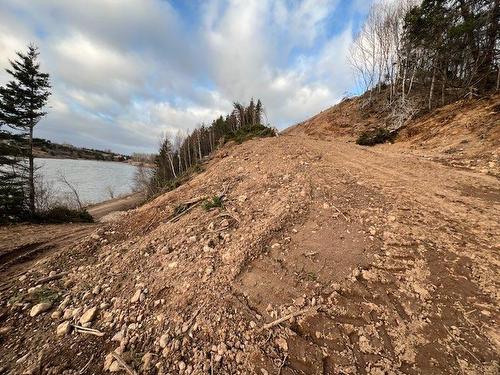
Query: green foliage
x,y
62,214
181,157
214,202
22,102
373,137
256,131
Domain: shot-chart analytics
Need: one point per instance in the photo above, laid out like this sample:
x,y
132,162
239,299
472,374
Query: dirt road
x,y
361,261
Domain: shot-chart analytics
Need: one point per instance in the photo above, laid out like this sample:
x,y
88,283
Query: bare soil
x,y
386,261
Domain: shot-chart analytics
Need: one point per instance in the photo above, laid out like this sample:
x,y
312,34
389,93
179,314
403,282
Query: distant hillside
x,y
44,148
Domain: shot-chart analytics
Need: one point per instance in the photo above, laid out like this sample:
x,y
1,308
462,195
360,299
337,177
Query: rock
x,y
88,315
164,340
119,336
242,198
181,365
68,313
108,360
40,308
56,314
22,278
76,312
282,344
136,297
114,367
5,330
147,361
63,328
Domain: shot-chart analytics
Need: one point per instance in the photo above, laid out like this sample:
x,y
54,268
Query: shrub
x,y
214,202
248,132
62,214
373,137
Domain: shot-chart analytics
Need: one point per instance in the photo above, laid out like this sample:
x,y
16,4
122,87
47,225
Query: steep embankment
x,y
326,258
465,133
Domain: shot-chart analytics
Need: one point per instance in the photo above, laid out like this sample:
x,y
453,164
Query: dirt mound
x,y
345,120
465,133
325,258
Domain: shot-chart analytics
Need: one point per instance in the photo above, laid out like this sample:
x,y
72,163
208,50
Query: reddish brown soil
x,y
393,260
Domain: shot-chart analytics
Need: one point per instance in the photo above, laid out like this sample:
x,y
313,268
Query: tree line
x,y
428,53
178,155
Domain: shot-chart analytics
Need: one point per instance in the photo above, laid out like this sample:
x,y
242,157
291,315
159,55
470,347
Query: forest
x,y
422,55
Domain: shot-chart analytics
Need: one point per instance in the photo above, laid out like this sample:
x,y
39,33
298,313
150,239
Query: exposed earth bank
x,y
326,258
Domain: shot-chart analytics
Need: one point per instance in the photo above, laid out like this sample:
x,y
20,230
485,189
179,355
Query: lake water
x,y
95,181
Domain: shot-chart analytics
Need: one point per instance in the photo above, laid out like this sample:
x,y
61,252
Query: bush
x,y
214,202
373,137
248,132
62,214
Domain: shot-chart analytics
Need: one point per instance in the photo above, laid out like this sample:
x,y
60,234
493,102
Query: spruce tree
x,y
21,105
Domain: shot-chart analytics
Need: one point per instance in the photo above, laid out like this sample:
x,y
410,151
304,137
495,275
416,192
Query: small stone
x,y
115,367
108,360
181,365
63,328
164,341
282,344
40,308
147,361
88,315
23,277
68,313
136,297
242,198
56,314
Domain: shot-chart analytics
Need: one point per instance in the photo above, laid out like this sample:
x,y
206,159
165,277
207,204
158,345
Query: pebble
x,y
163,341
40,308
88,315
63,328
136,297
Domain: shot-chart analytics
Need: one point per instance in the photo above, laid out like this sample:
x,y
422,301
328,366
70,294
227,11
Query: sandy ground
x,y
326,258
119,204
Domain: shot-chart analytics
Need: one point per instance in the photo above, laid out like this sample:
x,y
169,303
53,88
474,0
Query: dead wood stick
x,y
176,217
50,278
282,363
84,368
288,317
222,214
123,363
340,212
90,331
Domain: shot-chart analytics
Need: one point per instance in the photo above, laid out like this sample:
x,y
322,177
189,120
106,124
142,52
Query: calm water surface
x,y
92,179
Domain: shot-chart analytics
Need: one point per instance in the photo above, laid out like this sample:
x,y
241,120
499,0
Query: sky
x,y
125,72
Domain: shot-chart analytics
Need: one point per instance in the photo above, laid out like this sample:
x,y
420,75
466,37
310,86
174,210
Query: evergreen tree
x,y
21,105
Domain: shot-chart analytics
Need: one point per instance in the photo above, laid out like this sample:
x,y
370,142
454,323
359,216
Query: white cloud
x,y
123,72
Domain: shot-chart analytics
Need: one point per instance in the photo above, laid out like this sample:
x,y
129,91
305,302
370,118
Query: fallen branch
x,y
282,363
340,212
89,331
123,364
288,317
84,368
178,216
51,278
222,214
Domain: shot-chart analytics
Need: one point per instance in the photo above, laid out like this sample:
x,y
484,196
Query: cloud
x,y
124,72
